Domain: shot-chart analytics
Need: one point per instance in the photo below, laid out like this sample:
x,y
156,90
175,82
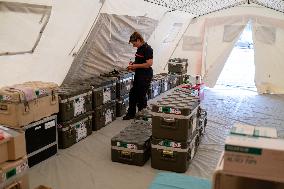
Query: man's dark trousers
x,y
138,94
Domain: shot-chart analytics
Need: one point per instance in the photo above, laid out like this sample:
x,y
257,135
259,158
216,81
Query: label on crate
x,y
108,116
42,92
125,145
5,97
175,81
156,91
169,110
81,131
128,87
49,124
14,171
170,144
106,95
79,106
166,86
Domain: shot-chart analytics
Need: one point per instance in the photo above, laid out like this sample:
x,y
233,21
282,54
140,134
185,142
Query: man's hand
x,y
131,66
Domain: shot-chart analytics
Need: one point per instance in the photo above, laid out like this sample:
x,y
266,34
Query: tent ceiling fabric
x,y
107,46
277,5
203,7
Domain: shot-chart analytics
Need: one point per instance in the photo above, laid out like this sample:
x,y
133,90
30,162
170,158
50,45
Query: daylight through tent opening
x,y
239,69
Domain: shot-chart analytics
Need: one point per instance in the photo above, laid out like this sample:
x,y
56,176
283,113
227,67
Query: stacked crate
x,y
164,81
176,79
103,100
132,145
194,89
177,66
144,114
176,131
75,114
32,107
155,88
123,85
177,69
13,159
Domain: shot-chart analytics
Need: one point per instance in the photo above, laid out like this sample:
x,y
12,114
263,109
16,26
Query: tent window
x,y
21,26
231,32
173,32
266,34
192,43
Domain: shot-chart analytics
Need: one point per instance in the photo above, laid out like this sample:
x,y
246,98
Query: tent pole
x,y
85,40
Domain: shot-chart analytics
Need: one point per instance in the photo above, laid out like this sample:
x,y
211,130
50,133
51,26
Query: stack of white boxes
x,y
253,158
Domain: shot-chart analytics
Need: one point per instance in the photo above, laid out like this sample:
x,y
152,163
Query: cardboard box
x,y
12,144
12,170
4,139
223,179
257,154
21,182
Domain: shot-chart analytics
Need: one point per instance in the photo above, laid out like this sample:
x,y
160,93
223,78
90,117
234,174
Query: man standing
x,y
143,75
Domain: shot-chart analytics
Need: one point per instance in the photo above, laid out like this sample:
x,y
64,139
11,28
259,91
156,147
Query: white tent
x,y
61,40
58,40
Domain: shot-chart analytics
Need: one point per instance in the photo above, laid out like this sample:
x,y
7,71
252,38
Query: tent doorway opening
x,y
239,69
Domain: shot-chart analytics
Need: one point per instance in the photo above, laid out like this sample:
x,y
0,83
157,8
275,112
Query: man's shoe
x,y
128,117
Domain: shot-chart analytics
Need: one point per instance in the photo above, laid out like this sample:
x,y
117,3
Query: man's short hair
x,y
135,36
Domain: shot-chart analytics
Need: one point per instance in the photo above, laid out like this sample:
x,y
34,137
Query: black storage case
x,y
74,100
41,139
72,131
132,145
104,115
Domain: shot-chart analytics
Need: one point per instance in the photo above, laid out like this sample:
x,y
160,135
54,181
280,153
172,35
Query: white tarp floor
x,y
88,165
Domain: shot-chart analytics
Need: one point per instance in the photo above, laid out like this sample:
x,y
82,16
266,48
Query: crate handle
x,y
168,123
26,107
4,109
169,120
70,133
69,106
53,98
126,155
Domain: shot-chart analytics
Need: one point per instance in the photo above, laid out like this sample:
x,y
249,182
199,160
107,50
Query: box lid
x,y
250,130
27,91
242,129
